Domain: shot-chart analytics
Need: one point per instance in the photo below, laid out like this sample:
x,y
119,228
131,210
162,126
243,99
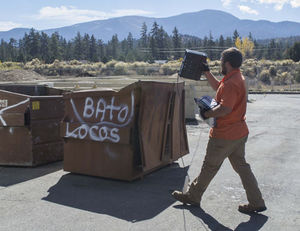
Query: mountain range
x,y
198,24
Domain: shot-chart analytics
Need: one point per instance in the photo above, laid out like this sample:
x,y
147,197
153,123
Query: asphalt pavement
x,y
47,198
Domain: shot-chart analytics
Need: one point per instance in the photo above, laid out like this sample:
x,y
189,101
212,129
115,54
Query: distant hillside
x,y
198,24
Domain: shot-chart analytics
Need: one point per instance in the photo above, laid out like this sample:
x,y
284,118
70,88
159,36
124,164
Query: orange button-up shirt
x,y
232,93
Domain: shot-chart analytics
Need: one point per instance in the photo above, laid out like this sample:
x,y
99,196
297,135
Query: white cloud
x,y
226,3
295,3
280,3
8,25
127,12
70,14
247,10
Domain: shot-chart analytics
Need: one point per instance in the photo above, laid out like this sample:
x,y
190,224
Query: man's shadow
x,y
131,201
256,221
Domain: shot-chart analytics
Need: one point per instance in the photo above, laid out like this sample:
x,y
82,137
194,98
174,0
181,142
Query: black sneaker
x,y
249,209
185,198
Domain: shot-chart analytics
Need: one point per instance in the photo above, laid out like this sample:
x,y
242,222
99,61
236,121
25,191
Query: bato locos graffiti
x,y
110,118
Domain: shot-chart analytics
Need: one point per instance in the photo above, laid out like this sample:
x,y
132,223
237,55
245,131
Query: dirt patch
x,y
19,75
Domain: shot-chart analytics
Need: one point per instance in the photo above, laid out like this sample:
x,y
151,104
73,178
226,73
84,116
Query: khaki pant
x,y
217,150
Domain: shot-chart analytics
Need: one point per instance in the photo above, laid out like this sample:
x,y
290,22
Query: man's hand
x,y
202,114
204,67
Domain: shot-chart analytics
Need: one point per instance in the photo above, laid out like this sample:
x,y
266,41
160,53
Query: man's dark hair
x,y
233,56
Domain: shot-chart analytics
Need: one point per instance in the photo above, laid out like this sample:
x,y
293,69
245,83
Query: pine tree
x,y
115,46
85,47
93,50
12,49
205,42
250,36
54,47
221,41
161,44
101,51
21,51
63,47
235,35
270,50
130,41
294,52
144,37
45,50
68,54
33,45
124,49
176,43
3,52
210,44
228,42
154,40
78,47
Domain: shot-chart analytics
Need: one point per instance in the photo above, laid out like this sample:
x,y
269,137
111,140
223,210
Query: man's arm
x,y
218,111
212,80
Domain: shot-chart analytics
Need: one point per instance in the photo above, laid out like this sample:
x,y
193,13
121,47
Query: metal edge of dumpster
x,y
168,95
77,138
26,152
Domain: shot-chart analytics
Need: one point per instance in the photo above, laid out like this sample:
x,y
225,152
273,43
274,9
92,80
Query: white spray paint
x,y
3,103
102,130
10,107
110,153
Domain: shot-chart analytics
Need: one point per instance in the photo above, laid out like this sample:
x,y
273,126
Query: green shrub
x,y
11,65
98,65
75,62
111,64
151,70
214,63
139,67
272,70
250,72
120,68
297,76
286,62
170,68
34,62
265,77
283,79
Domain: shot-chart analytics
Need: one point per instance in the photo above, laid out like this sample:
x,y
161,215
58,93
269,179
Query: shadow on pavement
x,y
15,175
130,201
255,223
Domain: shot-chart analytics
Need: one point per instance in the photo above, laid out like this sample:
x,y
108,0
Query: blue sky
x,y
41,14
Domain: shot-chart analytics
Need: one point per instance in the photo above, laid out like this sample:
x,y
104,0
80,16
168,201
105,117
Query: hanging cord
x,y
187,178
181,156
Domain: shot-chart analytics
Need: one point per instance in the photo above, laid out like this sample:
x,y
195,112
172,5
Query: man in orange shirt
x,y
228,137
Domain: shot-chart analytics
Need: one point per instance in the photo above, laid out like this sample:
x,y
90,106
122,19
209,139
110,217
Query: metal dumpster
x,y
30,117
124,134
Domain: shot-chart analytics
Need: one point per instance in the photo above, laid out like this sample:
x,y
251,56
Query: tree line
x,y
153,44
